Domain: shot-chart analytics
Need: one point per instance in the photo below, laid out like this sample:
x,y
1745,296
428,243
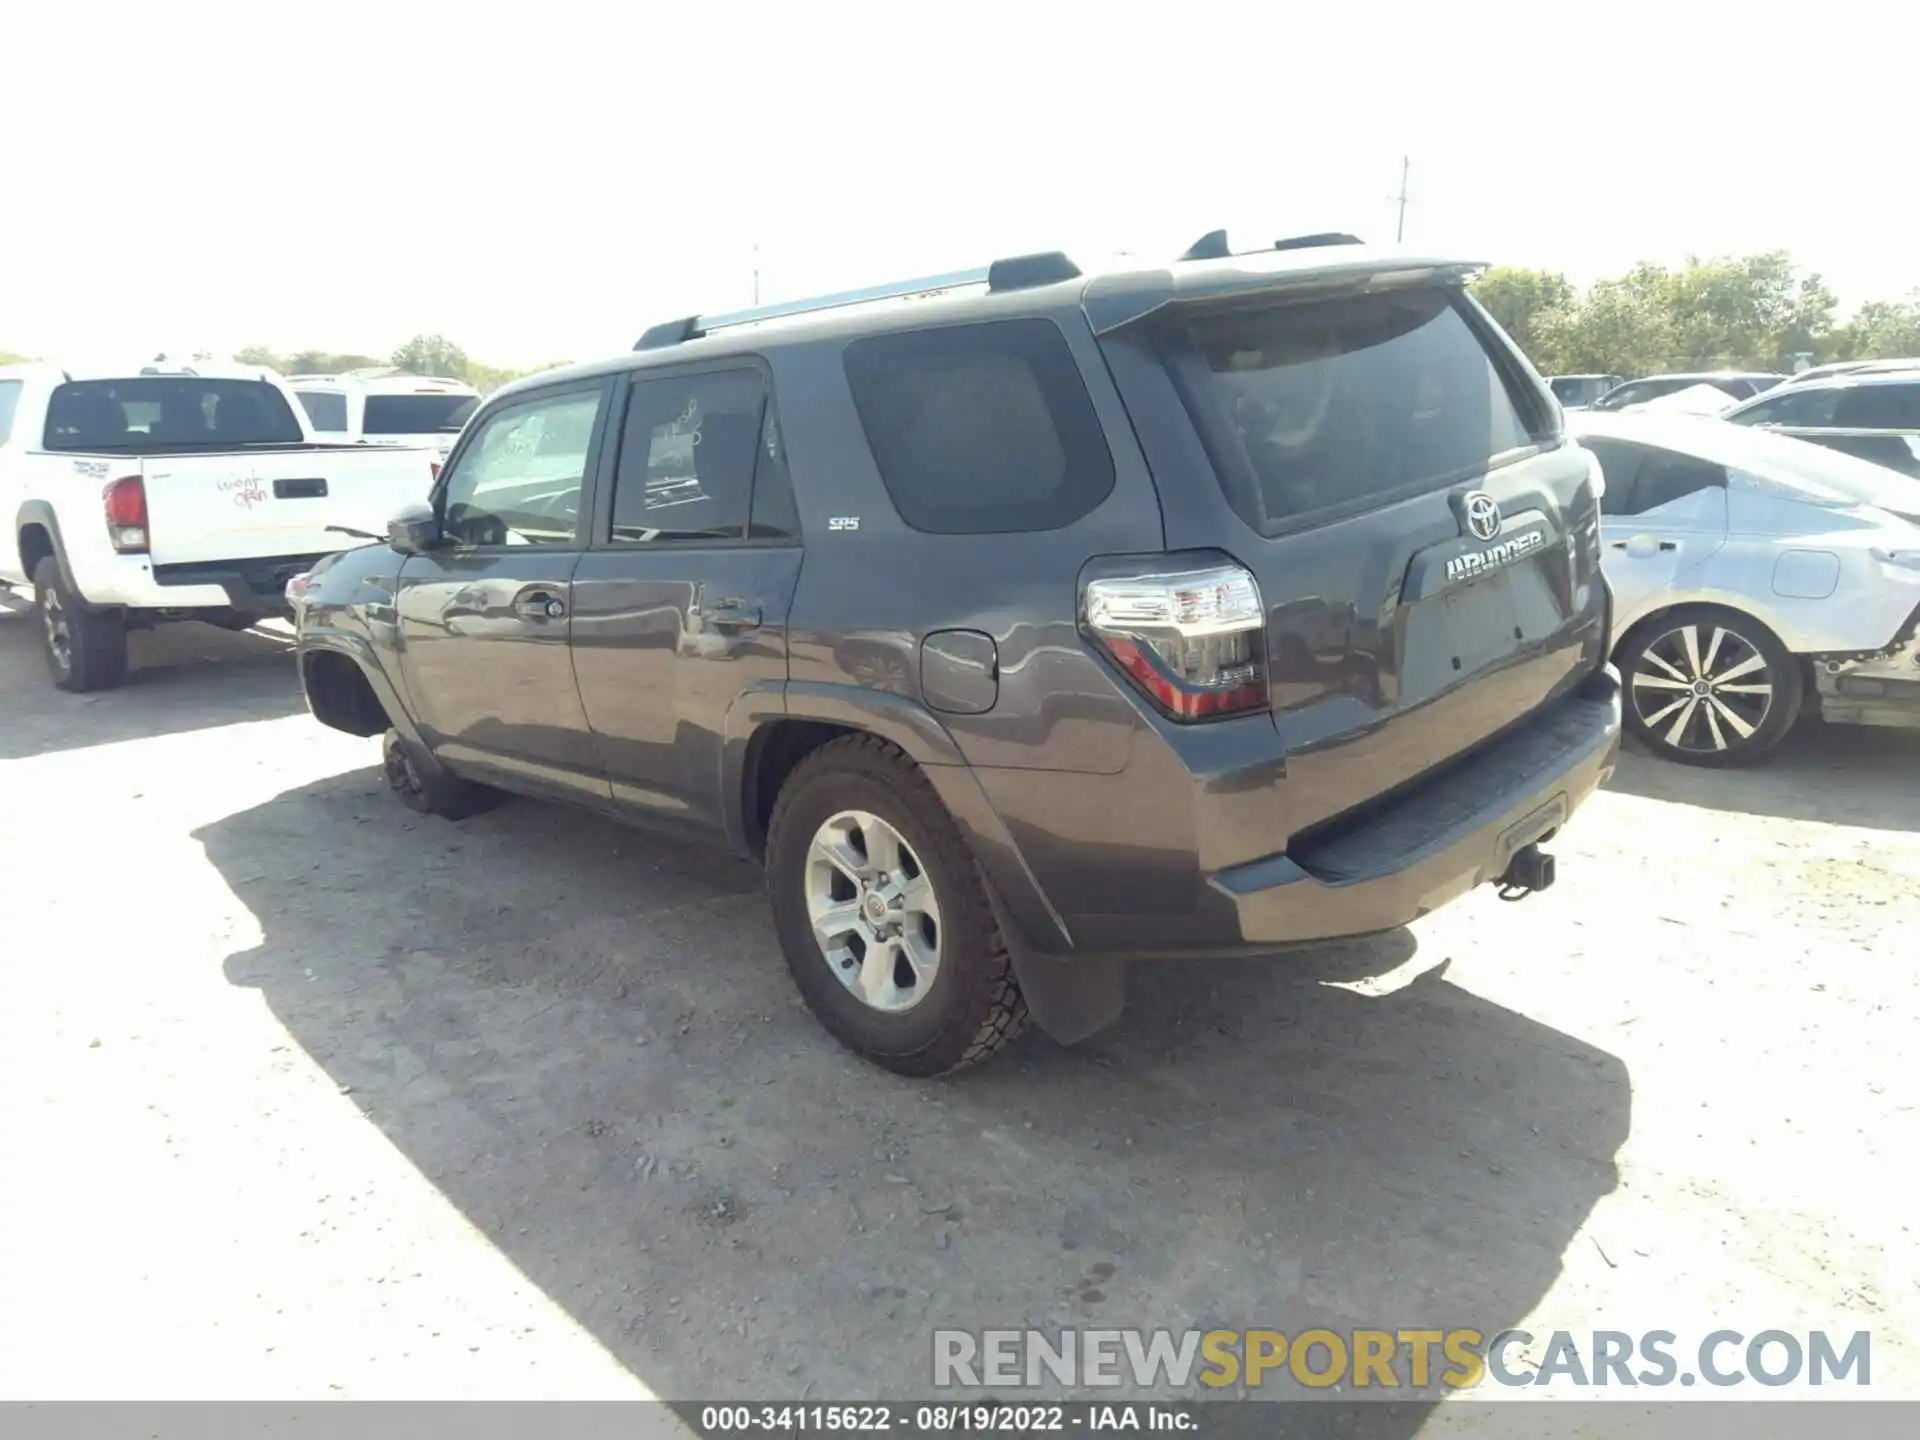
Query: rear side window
x,y
1879,407
1667,476
9,400
326,412
688,456
1329,404
416,414
1795,405
981,429
150,412
1619,463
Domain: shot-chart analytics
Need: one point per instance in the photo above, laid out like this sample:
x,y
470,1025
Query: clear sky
x,y
541,181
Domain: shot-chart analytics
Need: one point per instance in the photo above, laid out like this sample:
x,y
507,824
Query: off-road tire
x,y
1782,671
974,1005
427,789
96,640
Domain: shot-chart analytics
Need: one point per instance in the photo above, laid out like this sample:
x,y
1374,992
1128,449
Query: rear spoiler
x,y
1113,302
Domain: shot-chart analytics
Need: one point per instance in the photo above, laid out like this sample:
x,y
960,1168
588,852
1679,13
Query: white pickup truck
x,y
173,494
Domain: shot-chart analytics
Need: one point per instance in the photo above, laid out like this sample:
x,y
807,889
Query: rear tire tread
x,y
1002,1009
97,639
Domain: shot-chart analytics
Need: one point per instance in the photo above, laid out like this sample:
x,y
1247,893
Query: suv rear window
x,y
326,410
981,429
1345,402
416,414
152,411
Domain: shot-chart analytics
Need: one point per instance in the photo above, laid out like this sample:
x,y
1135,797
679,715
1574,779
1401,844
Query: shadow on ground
x,y
1838,774
184,676
586,1040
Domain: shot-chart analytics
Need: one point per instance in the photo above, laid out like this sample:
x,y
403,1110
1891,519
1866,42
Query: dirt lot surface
x,y
307,1097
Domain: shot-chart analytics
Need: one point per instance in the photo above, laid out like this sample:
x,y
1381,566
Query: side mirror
x,y
415,530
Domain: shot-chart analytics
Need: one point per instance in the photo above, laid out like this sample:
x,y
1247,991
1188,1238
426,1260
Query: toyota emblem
x,y
1483,515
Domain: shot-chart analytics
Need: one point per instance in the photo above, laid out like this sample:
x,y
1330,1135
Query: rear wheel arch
x,y
37,534
771,733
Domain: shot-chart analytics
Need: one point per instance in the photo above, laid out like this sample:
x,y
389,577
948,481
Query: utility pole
x,y
1400,230
756,272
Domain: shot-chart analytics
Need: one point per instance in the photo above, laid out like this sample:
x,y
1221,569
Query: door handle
x,y
730,613
539,603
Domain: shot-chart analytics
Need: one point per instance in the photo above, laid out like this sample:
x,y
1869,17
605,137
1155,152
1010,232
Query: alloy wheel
x,y
1702,688
59,632
873,911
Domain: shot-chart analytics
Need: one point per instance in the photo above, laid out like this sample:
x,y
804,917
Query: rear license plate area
x,y
300,489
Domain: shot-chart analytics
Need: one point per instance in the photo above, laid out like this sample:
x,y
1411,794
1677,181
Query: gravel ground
x,y
308,1097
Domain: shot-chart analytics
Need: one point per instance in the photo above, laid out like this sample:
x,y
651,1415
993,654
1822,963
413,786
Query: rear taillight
x,y
434,465
126,503
1191,639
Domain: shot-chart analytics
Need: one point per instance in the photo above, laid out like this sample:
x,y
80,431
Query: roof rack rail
x,y
1213,245
1015,272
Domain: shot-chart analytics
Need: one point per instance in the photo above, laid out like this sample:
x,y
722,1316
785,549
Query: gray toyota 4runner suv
x,y
1024,622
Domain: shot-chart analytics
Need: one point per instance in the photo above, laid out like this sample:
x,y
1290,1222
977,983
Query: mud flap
x,y
1070,999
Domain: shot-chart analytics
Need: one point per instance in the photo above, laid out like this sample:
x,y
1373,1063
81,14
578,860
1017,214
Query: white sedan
x,y
1753,574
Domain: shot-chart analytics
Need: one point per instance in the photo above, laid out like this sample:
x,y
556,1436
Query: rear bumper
x,y
1377,871
252,586
1450,835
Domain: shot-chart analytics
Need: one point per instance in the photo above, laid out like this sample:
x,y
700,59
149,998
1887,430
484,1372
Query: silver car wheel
x,y
873,911
1702,688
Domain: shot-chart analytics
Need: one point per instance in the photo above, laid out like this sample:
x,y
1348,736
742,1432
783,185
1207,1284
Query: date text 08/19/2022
x,y
943,1419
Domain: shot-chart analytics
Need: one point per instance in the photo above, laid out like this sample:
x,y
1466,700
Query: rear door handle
x,y
538,602
730,613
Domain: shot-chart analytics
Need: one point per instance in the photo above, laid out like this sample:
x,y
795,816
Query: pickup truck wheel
x,y
1709,687
884,916
426,789
86,649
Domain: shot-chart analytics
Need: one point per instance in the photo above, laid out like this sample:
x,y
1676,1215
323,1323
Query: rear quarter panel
x,y
872,590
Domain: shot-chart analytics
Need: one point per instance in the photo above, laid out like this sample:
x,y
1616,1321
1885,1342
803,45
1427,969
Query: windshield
x,y
1636,392
150,412
416,414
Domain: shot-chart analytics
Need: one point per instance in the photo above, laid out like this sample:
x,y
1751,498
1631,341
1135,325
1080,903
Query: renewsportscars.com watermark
x,y
1394,1360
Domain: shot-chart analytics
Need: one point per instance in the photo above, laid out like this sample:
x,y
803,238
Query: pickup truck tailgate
x,y
241,505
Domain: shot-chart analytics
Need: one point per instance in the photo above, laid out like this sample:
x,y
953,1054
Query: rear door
x,y
485,620
1393,475
681,599
1663,515
1879,421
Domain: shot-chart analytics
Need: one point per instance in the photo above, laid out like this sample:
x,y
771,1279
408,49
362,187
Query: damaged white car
x,y
1753,576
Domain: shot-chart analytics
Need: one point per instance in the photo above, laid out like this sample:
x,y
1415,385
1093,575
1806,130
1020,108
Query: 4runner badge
x,y
1479,562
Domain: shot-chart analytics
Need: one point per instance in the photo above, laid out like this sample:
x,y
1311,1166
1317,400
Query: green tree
x,y
1621,326
1532,306
431,355
1881,330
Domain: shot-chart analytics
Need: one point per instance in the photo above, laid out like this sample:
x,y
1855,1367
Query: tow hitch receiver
x,y
1530,869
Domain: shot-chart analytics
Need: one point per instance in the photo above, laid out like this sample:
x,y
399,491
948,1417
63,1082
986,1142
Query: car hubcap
x,y
59,637
873,911
1702,688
